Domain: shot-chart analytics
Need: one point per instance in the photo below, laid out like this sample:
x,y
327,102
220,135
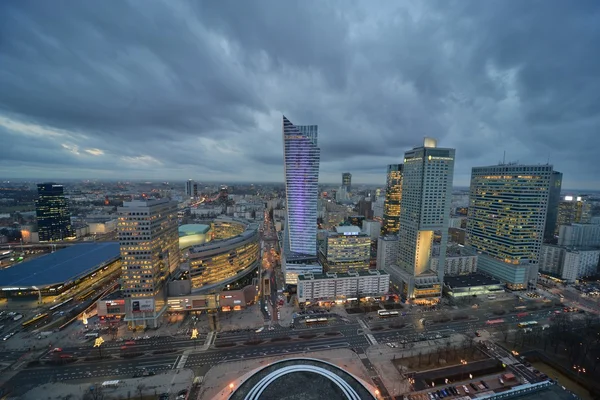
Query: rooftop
x,y
302,379
359,273
61,266
193,229
347,229
470,280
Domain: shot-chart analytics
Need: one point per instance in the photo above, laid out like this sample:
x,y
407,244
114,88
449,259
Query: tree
x,y
140,389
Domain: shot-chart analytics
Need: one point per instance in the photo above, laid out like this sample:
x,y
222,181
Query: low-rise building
x,y
471,285
343,286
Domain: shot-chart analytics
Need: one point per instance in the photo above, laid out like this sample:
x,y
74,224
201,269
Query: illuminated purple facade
x,y
301,170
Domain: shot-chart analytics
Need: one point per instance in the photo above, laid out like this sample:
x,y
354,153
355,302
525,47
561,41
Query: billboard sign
x,y
142,305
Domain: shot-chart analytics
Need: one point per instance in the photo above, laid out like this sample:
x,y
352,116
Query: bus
x,y
527,324
522,314
60,304
34,320
87,295
491,297
521,308
494,321
321,320
387,314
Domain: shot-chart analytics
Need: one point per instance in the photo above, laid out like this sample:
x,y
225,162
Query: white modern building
x,y
579,235
343,286
458,261
568,263
387,251
506,220
149,244
371,228
427,178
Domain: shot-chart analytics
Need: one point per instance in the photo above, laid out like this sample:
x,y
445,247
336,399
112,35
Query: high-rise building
x,y
427,177
301,170
579,235
52,211
301,157
508,204
553,205
149,254
387,251
189,188
393,197
573,210
346,249
347,181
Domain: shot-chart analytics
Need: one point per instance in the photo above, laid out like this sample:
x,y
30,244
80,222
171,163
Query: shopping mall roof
x,y
302,379
470,281
60,267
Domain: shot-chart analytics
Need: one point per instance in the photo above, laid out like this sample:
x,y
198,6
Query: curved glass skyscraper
x,y
301,169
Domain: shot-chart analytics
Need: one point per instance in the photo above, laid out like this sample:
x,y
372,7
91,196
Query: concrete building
x,y
569,264
342,286
583,261
149,245
579,235
471,285
346,249
293,270
457,222
393,198
506,220
347,181
191,189
553,205
387,251
378,207
427,178
52,212
101,228
458,261
371,228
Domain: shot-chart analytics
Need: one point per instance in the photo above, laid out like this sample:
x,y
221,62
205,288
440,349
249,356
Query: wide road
x,y
95,372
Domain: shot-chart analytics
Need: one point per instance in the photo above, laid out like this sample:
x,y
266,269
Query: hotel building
x,y
149,244
507,214
427,178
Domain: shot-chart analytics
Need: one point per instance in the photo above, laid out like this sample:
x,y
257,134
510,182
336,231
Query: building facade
x,y
371,228
579,235
569,264
149,244
393,198
573,210
342,286
52,212
427,178
301,170
347,181
387,251
346,249
553,204
456,263
508,204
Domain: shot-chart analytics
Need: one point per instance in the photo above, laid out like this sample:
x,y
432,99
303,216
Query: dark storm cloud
x,y
197,89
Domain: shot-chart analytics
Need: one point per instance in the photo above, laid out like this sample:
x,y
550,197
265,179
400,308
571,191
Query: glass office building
x,y
52,212
393,197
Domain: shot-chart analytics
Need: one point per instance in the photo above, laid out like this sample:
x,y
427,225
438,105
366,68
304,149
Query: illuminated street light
x,y
98,343
231,387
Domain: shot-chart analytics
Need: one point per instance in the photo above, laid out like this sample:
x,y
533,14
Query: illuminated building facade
x,y
301,170
507,214
347,181
427,178
232,254
52,211
149,244
573,210
346,249
393,198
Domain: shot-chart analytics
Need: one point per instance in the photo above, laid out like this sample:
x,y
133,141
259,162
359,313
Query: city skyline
x,y
205,99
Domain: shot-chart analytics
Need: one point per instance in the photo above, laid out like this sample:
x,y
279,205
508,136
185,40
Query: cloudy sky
x,y
174,89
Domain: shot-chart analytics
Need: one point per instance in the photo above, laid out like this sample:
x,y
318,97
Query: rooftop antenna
x,y
504,158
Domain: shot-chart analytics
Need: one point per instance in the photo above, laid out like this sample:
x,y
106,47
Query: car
x,y
485,385
473,386
466,389
146,337
182,392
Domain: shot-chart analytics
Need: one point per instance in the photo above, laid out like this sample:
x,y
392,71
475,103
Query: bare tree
x,y
140,389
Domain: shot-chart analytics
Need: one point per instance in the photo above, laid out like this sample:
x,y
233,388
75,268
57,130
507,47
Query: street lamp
x,y
194,336
579,369
463,362
231,387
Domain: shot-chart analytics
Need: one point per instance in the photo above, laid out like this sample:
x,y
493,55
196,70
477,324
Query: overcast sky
x,y
176,90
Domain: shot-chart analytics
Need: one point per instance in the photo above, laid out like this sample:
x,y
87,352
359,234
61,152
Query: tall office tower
x,y
301,170
506,219
393,197
573,210
427,178
553,203
52,211
149,241
189,188
195,190
347,181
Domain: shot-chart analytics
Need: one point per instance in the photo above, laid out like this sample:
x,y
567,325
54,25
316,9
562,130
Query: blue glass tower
x,y
301,170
